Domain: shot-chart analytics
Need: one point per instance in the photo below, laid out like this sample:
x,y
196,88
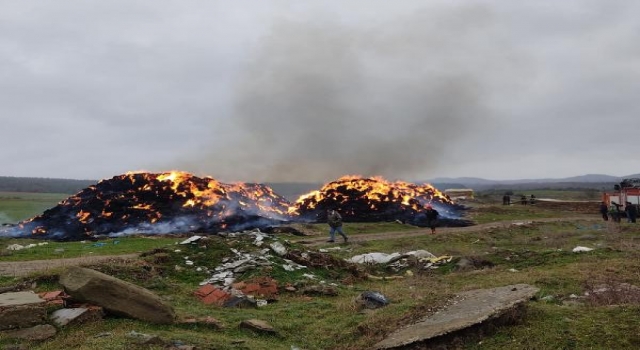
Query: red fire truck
x,y
627,191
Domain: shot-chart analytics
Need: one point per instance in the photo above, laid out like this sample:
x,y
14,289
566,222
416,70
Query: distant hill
x,y
292,190
461,180
594,178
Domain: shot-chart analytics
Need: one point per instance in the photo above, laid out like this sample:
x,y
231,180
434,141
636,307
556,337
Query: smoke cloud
x,y
319,99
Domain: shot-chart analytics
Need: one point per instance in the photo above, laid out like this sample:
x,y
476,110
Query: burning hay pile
x,y
158,203
375,199
178,202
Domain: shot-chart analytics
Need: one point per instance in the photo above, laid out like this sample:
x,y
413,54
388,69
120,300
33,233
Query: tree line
x,y
43,185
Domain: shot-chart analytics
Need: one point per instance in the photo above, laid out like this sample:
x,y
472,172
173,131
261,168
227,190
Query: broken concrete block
x,y
258,326
78,315
21,310
145,339
240,302
116,296
36,333
469,308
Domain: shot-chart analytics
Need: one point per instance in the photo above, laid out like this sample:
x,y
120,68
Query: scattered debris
x,y
54,298
613,293
278,248
190,240
372,300
522,223
383,278
210,294
64,317
258,326
320,290
145,339
207,322
240,302
376,258
15,247
35,333
580,249
265,287
399,261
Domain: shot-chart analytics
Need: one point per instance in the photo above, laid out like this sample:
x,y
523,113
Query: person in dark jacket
x,y
523,200
604,211
334,219
632,212
432,218
615,212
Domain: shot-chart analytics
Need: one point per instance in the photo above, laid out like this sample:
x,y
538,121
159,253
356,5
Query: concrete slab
x,y
64,317
19,298
469,308
21,310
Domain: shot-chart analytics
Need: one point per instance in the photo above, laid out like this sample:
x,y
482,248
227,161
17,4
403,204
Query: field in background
x,y
567,194
18,206
562,317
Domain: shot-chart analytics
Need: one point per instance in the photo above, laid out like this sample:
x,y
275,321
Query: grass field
x,y
17,206
565,314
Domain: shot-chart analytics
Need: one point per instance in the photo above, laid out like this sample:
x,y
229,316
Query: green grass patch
x,y
486,214
18,206
57,250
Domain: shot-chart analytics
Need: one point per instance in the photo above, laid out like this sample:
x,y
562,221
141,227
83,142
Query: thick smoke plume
x,y
320,99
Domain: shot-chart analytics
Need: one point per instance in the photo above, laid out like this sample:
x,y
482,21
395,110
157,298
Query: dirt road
x,y
354,237
23,268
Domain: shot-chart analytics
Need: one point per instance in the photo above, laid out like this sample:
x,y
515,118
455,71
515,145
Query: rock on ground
x,y
116,296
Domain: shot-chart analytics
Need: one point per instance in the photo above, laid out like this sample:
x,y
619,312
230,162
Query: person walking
x,y
604,210
432,218
334,219
615,212
632,212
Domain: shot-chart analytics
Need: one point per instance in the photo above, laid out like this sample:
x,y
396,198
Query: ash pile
x,y
157,203
374,199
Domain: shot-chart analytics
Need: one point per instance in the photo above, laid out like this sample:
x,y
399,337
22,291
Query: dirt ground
x,y
23,268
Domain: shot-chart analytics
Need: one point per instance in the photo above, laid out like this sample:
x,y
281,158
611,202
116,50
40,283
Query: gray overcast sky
x,y
312,90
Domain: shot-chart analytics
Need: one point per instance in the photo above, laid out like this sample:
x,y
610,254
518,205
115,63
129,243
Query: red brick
x,y
216,297
204,291
239,285
250,288
51,295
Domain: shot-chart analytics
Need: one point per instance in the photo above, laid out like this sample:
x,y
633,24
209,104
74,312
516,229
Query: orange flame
x,y
374,190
